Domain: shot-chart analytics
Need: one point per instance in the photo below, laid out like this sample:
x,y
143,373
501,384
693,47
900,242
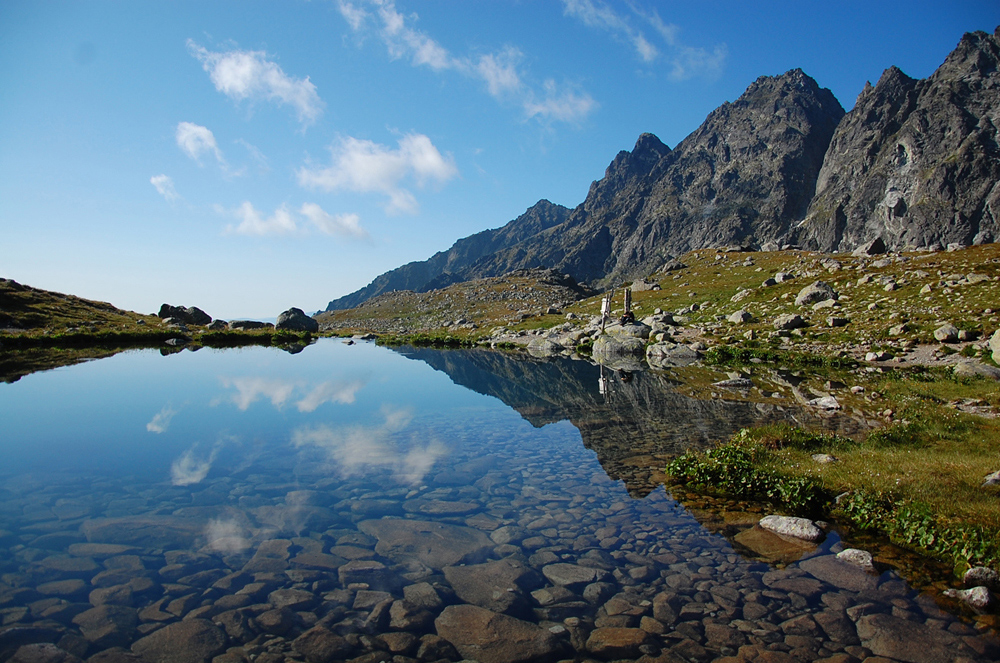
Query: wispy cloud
x,y
165,187
565,105
254,222
195,140
500,71
161,420
344,225
285,221
601,16
682,61
251,75
358,449
363,166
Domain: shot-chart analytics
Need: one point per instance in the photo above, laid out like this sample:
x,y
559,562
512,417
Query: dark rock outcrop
x,y
192,315
295,319
916,162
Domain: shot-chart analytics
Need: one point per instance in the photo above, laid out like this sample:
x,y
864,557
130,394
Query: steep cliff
x,y
916,162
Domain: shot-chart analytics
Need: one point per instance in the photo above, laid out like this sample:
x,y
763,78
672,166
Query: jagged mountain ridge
x,y
782,164
916,162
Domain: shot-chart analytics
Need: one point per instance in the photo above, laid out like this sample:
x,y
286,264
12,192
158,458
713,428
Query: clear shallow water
x,y
359,503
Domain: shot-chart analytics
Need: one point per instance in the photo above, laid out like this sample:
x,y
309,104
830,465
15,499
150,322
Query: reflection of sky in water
x,y
351,409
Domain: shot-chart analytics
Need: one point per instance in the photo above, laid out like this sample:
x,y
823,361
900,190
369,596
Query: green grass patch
x,y
735,469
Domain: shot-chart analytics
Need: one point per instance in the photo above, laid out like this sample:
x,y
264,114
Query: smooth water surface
x,y
360,503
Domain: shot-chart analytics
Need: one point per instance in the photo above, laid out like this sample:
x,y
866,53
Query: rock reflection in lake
x,y
633,420
310,543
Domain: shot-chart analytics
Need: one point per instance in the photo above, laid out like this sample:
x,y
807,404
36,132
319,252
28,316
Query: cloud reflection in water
x,y
161,420
279,392
353,450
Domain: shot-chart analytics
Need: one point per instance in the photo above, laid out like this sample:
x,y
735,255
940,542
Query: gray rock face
x,y
915,162
481,635
295,319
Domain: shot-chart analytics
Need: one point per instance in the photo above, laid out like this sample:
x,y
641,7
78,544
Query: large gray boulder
x,y
815,293
994,346
295,319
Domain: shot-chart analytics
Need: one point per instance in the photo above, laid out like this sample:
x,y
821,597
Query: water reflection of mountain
x,y
634,427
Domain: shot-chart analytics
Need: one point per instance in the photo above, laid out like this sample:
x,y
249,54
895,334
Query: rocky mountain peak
x,y
916,161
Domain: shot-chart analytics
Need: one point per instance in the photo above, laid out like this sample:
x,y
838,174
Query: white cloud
x,y
499,71
253,222
355,16
194,140
683,61
285,221
161,420
330,392
359,449
363,166
565,106
251,75
345,225
188,469
165,186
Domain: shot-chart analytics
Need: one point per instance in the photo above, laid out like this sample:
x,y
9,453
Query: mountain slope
x,y
916,162
444,267
746,175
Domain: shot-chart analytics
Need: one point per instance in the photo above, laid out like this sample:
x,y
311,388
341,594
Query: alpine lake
x,y
361,503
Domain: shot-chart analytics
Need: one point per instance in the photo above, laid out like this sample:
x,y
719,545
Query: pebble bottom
x,y
273,563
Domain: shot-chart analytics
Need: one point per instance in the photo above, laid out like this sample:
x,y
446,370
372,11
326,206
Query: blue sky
x,y
246,157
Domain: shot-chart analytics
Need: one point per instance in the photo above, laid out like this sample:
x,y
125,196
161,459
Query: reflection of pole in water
x,y
602,382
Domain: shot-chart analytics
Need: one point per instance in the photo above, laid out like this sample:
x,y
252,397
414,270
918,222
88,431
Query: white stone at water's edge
x,y
799,528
